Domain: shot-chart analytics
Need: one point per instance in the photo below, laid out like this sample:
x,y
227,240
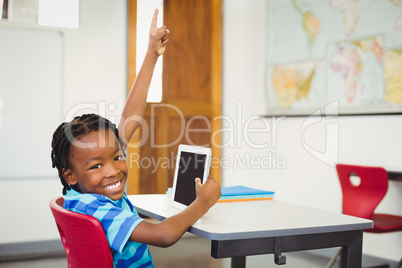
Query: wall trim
x,y
31,250
10,252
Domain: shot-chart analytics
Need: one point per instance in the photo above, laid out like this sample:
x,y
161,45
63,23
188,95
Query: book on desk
x,y
240,193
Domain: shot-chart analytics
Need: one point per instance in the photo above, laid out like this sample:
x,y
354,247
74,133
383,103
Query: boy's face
x,y
99,168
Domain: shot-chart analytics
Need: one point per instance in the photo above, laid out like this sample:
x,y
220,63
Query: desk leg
x,y
352,254
351,241
239,262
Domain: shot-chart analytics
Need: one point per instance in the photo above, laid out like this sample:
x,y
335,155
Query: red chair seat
x,y
386,223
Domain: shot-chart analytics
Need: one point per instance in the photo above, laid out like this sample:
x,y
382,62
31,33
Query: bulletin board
x,y
31,71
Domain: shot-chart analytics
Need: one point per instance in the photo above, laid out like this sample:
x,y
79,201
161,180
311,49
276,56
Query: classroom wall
x,y
285,165
94,71
94,76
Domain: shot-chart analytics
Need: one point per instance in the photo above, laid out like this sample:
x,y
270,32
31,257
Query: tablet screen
x,y
191,166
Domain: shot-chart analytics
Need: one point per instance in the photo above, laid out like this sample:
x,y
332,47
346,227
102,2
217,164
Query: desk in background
x,y
394,175
240,229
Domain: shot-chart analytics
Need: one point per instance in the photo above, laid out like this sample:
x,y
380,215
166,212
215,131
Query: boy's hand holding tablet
x,y
193,162
207,193
189,195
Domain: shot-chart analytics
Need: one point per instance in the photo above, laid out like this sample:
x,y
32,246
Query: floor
x,y
195,253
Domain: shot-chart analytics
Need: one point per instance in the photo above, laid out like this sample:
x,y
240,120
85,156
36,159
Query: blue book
x,y
247,196
243,190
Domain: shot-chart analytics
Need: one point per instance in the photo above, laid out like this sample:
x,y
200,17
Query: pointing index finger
x,y
155,18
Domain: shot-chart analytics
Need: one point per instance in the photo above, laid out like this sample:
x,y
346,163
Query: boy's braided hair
x,y
67,132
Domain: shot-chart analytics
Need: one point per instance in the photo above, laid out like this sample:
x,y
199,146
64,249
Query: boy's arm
x,y
169,231
136,100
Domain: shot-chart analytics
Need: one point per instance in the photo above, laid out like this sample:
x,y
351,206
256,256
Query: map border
x,y
375,109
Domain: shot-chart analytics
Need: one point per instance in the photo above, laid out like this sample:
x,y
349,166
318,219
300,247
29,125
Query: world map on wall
x,y
321,51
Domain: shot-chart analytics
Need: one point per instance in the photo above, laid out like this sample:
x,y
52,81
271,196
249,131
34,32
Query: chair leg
x,y
338,252
333,259
399,265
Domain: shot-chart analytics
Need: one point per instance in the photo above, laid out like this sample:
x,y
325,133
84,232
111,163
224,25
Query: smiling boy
x,y
89,155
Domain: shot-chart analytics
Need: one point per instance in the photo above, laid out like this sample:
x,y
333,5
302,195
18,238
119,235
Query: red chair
x,y
360,199
83,238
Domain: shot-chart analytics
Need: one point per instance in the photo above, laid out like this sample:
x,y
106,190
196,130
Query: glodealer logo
x,y
240,134
330,153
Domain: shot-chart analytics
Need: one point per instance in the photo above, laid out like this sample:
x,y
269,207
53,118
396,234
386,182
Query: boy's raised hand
x,y
158,37
208,193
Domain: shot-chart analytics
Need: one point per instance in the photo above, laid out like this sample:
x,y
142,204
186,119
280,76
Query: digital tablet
x,y
192,162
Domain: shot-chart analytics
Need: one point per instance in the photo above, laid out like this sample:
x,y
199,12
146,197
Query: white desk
x,y
240,229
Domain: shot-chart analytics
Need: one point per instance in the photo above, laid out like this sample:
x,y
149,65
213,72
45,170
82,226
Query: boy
x,y
89,155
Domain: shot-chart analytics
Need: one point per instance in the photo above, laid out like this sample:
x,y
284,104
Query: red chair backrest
x,y
361,200
83,237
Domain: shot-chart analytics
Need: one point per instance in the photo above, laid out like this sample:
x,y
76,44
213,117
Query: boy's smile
x,y
99,169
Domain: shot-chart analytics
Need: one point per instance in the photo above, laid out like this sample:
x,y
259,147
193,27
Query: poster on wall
x,y
347,52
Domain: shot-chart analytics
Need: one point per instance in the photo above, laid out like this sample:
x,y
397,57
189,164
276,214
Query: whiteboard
x,y
30,100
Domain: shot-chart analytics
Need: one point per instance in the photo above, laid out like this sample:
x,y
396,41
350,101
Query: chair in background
x,y
83,238
360,198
